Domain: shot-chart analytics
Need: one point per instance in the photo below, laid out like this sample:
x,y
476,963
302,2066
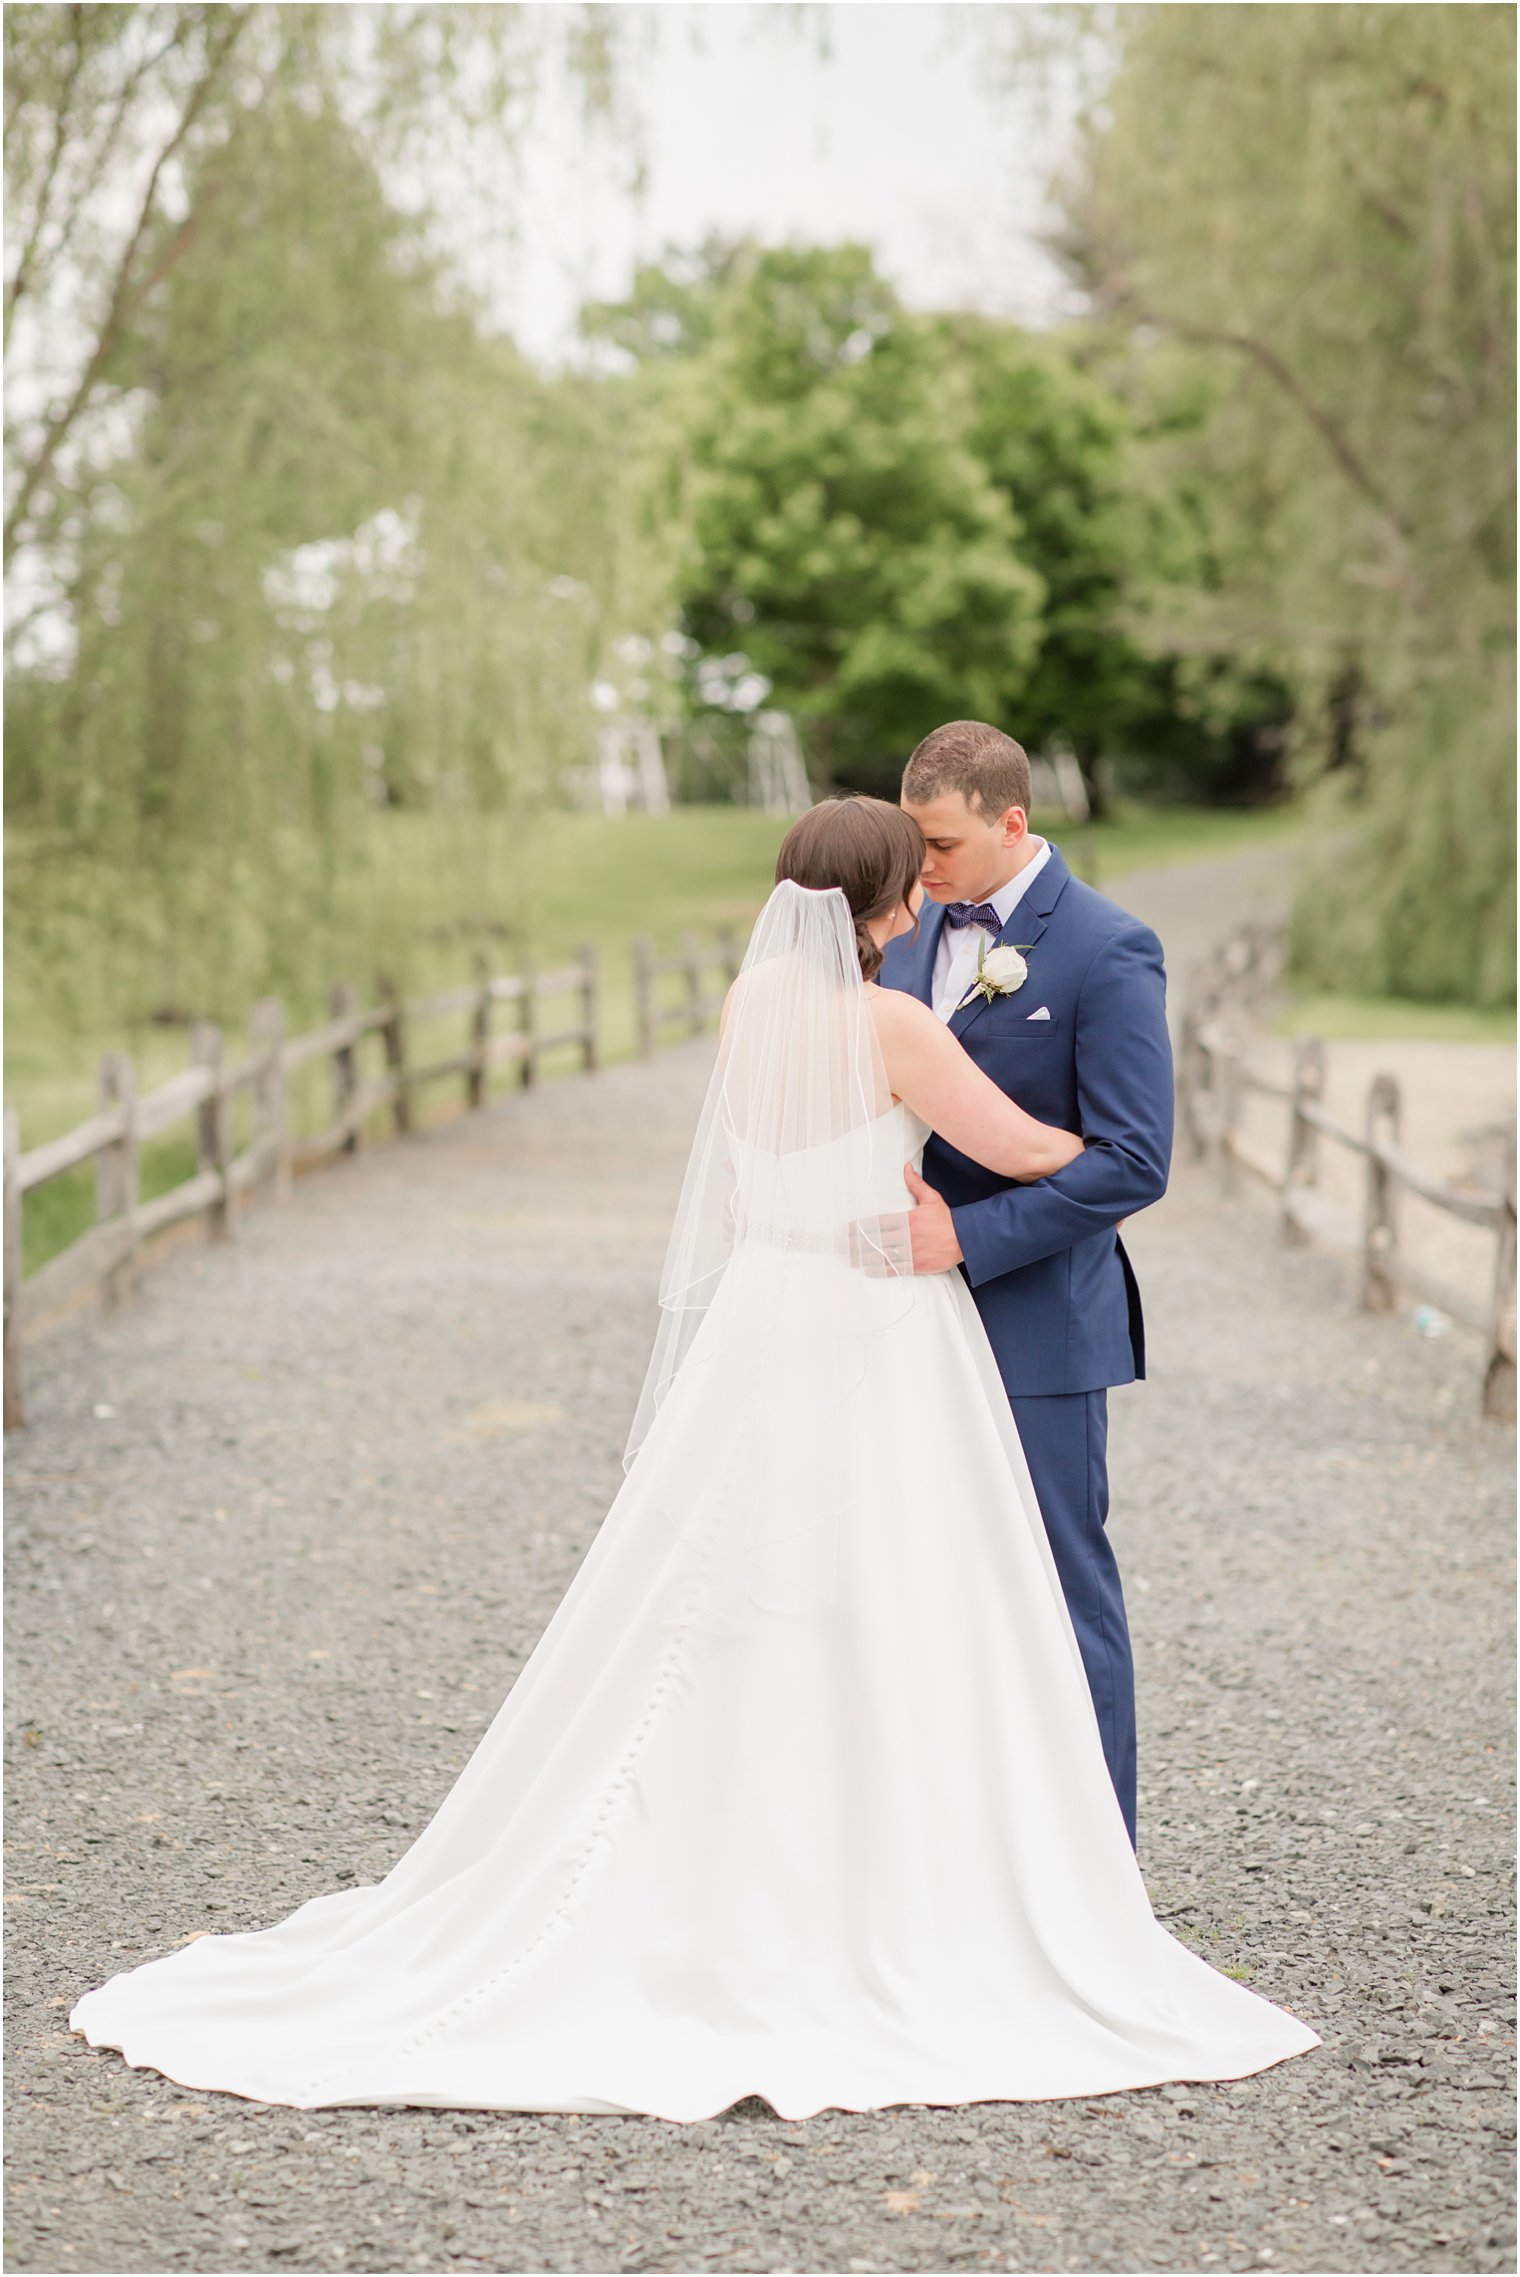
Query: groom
x,y
1081,1040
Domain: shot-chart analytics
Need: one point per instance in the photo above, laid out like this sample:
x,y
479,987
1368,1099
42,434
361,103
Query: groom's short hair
x,y
987,767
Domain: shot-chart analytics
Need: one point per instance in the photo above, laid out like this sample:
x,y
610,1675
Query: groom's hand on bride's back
x,y
931,1227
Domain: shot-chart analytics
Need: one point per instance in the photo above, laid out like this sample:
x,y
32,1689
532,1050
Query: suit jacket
x,y
1055,1289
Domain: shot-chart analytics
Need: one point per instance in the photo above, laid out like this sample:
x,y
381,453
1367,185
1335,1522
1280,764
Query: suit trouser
x,y
1065,1441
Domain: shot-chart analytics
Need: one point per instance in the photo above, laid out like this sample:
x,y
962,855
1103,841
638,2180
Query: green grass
x,y
652,874
711,865
1154,838
432,895
699,865
1382,1019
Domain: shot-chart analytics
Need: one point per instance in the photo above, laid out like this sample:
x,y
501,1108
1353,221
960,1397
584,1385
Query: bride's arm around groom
x,y
1121,1074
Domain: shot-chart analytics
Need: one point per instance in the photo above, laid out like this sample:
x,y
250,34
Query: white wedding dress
x,y
800,1794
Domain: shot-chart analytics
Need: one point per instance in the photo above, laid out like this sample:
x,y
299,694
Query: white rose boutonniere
x,y
999,972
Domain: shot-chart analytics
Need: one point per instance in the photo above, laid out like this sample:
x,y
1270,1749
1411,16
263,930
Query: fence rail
x,y
1217,1072
695,1007
107,1257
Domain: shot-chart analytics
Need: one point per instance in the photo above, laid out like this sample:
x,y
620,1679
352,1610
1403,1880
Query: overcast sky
x,y
888,123
897,134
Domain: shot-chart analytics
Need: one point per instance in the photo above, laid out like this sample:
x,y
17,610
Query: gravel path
x,y
284,1530
1457,1099
1193,905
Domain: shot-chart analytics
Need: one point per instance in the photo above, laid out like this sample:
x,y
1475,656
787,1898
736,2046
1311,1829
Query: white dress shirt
x,y
960,945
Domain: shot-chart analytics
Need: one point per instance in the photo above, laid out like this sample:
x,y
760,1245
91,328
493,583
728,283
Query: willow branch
x,y
107,146
127,294
22,277
1269,361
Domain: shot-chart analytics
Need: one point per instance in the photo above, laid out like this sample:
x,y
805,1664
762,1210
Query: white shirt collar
x,y
956,955
1008,897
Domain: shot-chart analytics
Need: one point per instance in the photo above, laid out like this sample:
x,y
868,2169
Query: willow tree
x,y
320,543
1316,205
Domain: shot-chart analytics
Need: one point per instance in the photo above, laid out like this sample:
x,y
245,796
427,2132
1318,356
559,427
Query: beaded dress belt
x,y
880,1247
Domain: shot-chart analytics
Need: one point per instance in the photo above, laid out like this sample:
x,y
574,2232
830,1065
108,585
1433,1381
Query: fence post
x,y
643,989
1196,1060
1230,1062
116,1176
340,1004
266,1028
1189,1051
213,1127
394,1034
1303,1139
1211,1035
589,990
15,1406
729,953
1237,962
480,1033
1499,1375
691,973
1380,1225
1267,944
527,1021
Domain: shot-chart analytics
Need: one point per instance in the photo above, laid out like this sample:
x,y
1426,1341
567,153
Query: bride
x,y
801,1793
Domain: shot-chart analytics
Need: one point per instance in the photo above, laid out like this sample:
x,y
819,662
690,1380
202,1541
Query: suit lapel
x,y
931,924
1031,914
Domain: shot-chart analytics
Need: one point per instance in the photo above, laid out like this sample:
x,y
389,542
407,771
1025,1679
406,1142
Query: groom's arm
x,y
1124,1106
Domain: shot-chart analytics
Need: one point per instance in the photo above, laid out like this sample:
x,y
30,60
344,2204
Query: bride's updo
x,y
872,851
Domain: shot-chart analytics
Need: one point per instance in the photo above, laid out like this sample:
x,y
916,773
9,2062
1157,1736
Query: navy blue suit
x,y
1049,1274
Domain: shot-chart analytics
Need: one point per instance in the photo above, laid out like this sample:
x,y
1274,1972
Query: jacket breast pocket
x,y
1016,1028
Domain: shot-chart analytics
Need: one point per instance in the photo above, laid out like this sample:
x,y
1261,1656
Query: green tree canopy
x,y
898,519
1068,448
1315,207
829,519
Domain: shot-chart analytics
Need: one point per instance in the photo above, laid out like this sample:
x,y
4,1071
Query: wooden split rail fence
x,y
1217,1072
108,1256
695,1007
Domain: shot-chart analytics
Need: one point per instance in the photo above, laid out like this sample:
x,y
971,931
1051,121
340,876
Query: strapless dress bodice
x,y
816,1189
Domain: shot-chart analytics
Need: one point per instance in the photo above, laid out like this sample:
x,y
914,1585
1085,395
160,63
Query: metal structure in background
x,y
755,759
1215,1073
630,768
778,781
646,766
1057,786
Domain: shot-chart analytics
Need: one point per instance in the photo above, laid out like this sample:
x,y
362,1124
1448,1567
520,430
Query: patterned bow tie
x,y
973,913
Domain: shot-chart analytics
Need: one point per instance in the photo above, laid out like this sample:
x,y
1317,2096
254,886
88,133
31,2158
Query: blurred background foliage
x,y
342,576
899,518
326,547
1308,214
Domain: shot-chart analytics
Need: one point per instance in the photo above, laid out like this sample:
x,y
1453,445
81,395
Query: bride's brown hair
x,y
872,851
